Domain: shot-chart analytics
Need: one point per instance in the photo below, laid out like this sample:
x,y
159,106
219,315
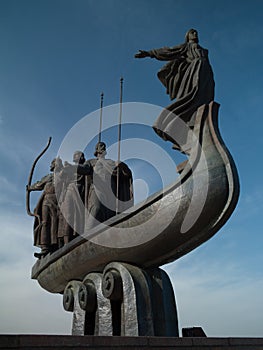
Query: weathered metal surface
x,y
169,225
163,304
103,320
71,303
136,310
125,301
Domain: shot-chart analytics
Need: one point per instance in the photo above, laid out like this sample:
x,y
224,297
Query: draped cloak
x,y
188,78
72,203
103,189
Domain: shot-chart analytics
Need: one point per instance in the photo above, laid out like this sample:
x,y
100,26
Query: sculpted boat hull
x,y
167,226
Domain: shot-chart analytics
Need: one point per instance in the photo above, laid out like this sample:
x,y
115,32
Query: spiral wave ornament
x,y
87,297
68,299
112,285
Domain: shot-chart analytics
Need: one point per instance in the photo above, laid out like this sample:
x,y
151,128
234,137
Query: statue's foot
x,y
43,253
186,149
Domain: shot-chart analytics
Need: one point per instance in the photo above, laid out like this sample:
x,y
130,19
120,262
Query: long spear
x,y
101,108
119,146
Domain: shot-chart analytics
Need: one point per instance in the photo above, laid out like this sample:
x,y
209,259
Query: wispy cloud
x,y
10,194
25,307
16,238
250,204
221,298
11,152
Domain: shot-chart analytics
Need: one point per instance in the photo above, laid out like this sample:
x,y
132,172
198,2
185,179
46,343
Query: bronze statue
x,y
188,78
74,199
45,229
109,277
102,200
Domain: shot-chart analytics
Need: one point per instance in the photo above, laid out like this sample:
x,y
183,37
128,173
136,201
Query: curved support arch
x,y
129,285
98,308
125,301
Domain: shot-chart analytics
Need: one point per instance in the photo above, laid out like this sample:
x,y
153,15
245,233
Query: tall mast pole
x,y
101,108
119,146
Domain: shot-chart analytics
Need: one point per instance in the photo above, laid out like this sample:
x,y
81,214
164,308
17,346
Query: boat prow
x,y
167,226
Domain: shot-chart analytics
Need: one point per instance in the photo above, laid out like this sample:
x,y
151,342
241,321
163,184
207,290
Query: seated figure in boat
x,y
107,175
188,78
73,201
46,211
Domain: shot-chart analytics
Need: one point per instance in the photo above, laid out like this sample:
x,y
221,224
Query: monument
x,y
113,289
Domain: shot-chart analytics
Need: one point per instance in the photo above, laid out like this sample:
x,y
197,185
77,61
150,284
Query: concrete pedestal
x,y
62,342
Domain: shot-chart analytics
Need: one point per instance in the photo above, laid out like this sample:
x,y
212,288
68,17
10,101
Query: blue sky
x,y
56,57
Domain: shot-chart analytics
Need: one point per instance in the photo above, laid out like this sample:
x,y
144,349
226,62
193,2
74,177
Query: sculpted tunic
x,y
45,231
72,203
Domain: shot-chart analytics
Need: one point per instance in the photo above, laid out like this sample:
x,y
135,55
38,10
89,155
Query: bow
x,y
30,180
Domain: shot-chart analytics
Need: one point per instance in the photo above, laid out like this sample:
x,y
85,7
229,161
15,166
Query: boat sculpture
x,y
109,275
167,226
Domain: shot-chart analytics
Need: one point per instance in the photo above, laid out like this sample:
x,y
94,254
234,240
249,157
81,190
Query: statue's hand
x,y
142,54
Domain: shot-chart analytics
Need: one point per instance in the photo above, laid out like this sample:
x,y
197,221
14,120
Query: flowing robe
x,y
102,201
188,78
72,203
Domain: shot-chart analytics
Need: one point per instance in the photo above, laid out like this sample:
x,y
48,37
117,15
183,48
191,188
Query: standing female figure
x,y
188,78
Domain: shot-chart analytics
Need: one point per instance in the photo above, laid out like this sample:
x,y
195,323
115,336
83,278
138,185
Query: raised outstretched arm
x,y
142,54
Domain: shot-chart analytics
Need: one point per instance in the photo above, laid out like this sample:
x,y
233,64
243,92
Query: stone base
x,y
62,342
123,301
